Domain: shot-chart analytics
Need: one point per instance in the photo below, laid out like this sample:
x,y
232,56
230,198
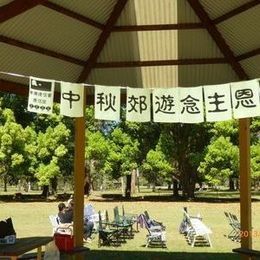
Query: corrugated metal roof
x,y
44,27
252,67
186,13
98,10
198,75
216,8
197,44
242,31
34,64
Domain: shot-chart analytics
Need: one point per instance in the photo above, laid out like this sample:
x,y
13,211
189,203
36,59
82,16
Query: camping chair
x,y
236,226
106,234
125,225
156,235
130,217
152,221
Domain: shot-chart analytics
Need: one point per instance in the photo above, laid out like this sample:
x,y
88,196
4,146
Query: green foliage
x,y
220,162
255,161
156,168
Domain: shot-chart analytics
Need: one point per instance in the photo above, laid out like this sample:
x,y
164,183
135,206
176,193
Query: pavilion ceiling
x,y
138,43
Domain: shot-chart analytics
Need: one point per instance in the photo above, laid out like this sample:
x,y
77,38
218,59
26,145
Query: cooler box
x,y
64,241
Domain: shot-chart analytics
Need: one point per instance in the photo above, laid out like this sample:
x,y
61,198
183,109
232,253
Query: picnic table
x,y
23,245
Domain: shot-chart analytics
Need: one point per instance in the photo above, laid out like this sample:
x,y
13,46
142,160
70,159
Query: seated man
x,y
66,216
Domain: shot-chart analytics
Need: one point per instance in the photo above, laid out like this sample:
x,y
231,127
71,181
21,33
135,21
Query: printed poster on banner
x,y
217,102
245,98
107,103
138,105
41,93
72,99
191,105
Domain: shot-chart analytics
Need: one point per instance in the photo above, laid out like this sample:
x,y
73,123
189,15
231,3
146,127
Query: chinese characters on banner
x,y
107,103
165,105
138,105
191,105
41,93
217,102
169,105
245,98
71,99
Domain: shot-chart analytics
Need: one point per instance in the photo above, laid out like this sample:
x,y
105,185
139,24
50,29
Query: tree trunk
x,y
128,186
5,183
231,184
133,178
54,184
87,184
45,191
175,188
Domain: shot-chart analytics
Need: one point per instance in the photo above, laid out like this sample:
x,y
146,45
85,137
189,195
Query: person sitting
x,y
66,216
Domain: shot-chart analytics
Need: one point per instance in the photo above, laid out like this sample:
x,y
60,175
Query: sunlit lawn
x,y
31,218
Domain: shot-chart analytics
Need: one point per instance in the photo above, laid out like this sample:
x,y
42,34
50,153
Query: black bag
x,y
6,228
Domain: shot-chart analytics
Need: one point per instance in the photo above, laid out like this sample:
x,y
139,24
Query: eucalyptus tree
x,y
16,148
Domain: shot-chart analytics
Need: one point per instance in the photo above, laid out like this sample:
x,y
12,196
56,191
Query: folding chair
x,y
156,235
153,221
106,234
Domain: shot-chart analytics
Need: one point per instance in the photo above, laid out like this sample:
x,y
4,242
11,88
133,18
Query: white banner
x,y
191,105
138,105
245,98
41,93
107,103
165,105
71,99
217,102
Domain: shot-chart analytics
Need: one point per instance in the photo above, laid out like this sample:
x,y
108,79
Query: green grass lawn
x,y
31,218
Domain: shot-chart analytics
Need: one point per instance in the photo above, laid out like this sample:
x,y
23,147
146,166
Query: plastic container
x,y
65,242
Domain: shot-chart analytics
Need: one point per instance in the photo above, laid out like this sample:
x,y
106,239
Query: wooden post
x,y
245,184
79,175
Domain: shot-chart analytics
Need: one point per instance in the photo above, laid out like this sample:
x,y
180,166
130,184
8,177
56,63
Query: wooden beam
x,y
124,64
236,11
248,54
17,7
40,50
245,184
218,38
102,40
157,27
73,15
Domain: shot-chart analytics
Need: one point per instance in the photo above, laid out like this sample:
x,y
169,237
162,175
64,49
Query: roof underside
x,y
137,43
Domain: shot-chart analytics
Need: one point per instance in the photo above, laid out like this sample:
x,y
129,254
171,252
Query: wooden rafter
x,y
157,27
102,40
236,11
248,54
123,64
218,38
40,50
17,7
73,15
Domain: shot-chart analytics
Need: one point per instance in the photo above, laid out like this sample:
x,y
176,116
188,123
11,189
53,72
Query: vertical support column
x,y
245,184
79,175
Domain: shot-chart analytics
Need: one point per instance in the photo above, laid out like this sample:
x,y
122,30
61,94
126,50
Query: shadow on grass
x,y
165,198
107,197
148,255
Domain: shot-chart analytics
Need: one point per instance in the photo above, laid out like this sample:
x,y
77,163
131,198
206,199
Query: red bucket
x,y
65,242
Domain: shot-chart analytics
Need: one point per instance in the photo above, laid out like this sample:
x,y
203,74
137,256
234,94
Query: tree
x,y
51,147
156,168
220,162
14,147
